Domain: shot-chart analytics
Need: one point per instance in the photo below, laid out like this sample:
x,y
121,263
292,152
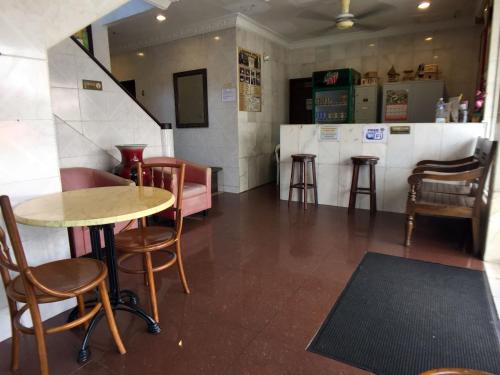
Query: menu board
x,y
396,105
250,81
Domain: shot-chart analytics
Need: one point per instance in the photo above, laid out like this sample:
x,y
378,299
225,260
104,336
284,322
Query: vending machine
x,y
333,96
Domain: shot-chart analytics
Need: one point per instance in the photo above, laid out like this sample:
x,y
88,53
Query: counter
x,y
398,155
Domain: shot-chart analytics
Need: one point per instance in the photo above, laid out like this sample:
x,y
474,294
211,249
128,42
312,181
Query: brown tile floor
x,y
263,277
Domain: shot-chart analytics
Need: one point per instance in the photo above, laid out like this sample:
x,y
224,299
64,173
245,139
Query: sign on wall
x,y
88,84
329,133
250,81
375,134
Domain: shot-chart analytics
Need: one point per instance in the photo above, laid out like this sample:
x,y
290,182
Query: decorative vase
x,y
131,155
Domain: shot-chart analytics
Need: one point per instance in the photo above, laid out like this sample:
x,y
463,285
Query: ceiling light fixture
x,y
424,5
140,54
161,17
216,37
371,45
428,39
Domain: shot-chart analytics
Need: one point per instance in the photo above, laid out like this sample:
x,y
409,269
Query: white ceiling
x,y
285,18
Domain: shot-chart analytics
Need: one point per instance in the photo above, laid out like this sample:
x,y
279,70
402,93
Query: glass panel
x,y
332,106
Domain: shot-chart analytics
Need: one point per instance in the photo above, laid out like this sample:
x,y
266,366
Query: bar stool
x,y
357,161
302,160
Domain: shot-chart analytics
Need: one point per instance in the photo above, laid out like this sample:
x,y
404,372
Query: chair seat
x,y
192,189
66,275
436,187
144,239
364,159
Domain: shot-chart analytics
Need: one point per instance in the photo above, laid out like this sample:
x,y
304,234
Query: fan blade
x,y
368,27
323,31
316,16
382,7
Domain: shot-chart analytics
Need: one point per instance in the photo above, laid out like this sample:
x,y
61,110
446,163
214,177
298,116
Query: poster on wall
x,y
249,81
375,134
396,105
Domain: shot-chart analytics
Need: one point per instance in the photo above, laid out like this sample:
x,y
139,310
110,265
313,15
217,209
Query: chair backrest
x,y
485,150
454,371
168,176
6,260
7,264
15,239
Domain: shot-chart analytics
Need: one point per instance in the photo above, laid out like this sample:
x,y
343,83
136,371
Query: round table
x,y
98,209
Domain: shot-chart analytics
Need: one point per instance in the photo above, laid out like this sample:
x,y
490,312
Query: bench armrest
x,y
446,162
447,168
417,178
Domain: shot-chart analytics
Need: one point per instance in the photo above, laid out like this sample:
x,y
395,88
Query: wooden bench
x,y
456,188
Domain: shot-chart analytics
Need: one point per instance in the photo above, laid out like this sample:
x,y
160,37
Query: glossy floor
x,y
263,277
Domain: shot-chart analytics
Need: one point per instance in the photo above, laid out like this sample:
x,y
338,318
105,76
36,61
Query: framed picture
x,y
191,100
84,37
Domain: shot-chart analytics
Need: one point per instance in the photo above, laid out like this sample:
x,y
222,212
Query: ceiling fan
x,y
346,20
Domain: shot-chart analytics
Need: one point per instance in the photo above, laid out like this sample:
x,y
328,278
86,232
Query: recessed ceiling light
x,y
436,57
217,37
371,45
161,17
428,39
424,5
140,54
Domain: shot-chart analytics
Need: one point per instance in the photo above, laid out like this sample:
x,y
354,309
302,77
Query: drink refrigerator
x,y
333,96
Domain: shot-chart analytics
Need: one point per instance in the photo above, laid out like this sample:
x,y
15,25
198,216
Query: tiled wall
x,y
216,145
258,132
456,51
29,164
90,123
398,157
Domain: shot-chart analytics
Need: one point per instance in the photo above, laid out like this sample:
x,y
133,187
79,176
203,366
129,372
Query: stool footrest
x,y
301,186
364,191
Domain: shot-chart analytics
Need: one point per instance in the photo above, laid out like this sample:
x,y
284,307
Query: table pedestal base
x,y
121,300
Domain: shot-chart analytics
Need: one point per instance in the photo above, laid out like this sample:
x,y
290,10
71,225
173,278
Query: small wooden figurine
x,y
393,75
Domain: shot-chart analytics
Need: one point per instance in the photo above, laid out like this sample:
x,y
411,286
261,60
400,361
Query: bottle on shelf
x,y
441,111
463,111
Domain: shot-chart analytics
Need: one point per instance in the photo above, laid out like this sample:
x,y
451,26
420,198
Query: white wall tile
x,y
25,90
400,149
328,186
66,104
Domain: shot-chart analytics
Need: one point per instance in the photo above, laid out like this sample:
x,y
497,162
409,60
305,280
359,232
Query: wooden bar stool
x,y
302,160
357,161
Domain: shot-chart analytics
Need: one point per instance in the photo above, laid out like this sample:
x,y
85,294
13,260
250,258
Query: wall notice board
x,y
250,81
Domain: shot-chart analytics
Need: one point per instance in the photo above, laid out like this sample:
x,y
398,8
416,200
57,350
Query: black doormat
x,y
400,316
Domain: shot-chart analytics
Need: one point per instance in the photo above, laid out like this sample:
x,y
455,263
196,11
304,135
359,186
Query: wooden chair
x,y
454,371
470,204
49,282
146,239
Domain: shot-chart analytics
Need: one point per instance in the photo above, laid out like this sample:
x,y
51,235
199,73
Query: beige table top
x,y
96,206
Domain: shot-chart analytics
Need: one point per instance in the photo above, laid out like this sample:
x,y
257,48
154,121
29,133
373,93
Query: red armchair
x,y
82,178
197,194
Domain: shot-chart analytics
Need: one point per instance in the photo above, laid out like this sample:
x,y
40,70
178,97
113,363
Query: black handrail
x,y
160,124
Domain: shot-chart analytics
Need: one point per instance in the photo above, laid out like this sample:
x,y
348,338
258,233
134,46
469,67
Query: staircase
x,y
89,123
